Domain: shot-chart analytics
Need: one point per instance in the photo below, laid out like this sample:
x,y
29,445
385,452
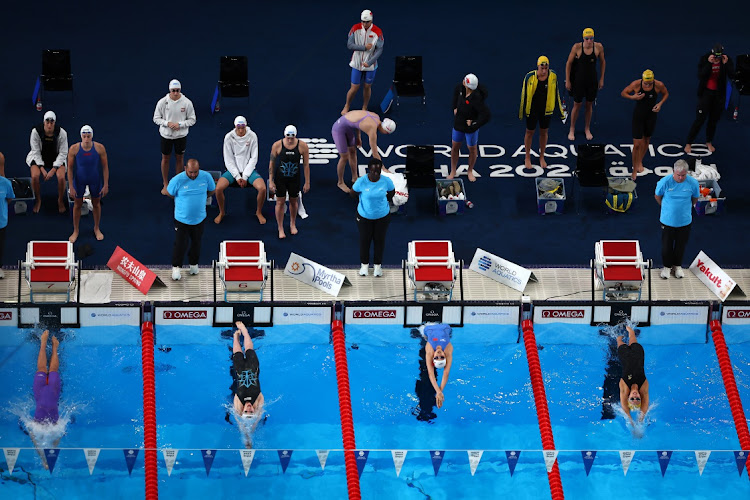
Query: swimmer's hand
x,y
439,399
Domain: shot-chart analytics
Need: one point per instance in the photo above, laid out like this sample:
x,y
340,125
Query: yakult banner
x,y
712,276
562,314
183,315
500,270
314,274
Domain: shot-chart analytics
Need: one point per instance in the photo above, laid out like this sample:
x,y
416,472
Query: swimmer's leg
x,y
236,343
54,362
41,360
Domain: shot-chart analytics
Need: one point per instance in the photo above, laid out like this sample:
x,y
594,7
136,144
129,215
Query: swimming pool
x,y
489,407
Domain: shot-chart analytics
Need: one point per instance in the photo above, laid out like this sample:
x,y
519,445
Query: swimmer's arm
x,y
447,370
429,355
373,135
644,401
237,404
629,91
569,64
105,167
275,149
602,64
662,89
624,399
71,162
258,406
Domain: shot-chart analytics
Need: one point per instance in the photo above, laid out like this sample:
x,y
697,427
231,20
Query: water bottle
x,y
469,204
736,112
217,108
39,105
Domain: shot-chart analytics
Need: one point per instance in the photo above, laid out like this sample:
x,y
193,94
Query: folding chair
x,y
56,76
233,80
420,166
742,79
620,269
432,270
590,170
407,78
243,269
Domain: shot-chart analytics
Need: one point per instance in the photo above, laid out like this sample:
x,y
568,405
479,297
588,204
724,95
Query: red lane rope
x,y
345,410
730,386
542,410
149,411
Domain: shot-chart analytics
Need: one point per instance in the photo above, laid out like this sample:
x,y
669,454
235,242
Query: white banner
x,y
8,317
500,270
378,315
11,455
322,458
549,459
170,457
398,460
712,276
735,315
247,459
106,316
474,457
626,457
92,454
183,315
314,274
701,456
562,314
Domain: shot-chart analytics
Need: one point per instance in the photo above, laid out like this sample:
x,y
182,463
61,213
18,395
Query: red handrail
x,y
149,411
345,410
542,411
730,386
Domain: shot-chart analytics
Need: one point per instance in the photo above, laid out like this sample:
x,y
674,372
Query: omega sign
x,y
738,313
6,315
374,313
203,314
563,313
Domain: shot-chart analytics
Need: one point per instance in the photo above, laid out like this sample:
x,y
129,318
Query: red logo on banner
x,y
133,271
374,313
738,313
562,313
6,316
200,314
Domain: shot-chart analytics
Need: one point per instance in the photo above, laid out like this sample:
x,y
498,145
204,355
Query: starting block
x,y
50,268
243,268
619,269
432,270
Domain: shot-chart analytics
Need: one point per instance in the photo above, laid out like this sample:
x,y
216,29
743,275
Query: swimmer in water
x,y
248,400
47,386
438,354
633,383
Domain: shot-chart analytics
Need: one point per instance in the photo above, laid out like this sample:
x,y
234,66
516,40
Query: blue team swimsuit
x,y
87,172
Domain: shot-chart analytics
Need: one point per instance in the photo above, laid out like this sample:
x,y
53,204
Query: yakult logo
x,y
707,271
374,313
186,314
735,313
562,313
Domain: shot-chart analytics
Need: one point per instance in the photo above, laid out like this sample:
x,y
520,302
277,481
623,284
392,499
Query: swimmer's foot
x,y
44,337
37,206
342,186
710,147
688,148
260,217
589,135
345,110
452,174
99,235
542,162
73,237
634,175
282,234
61,208
55,342
293,230
527,163
219,218
571,136
472,177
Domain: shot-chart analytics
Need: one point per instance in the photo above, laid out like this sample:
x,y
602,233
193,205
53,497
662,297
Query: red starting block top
x,y
242,258
621,253
437,269
53,257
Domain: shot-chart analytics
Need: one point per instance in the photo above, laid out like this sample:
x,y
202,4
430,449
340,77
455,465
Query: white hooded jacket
x,y
180,111
241,153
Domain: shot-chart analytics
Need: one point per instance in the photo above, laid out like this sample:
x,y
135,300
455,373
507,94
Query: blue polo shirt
x,y
676,202
6,193
373,202
190,196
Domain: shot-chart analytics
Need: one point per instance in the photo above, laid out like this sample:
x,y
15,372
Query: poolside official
x,y
189,190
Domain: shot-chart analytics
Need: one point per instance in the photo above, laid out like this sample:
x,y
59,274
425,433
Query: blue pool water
x,y
489,406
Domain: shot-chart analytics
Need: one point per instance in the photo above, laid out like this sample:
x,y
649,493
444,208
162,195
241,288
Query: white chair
x,y
243,268
432,269
50,268
620,269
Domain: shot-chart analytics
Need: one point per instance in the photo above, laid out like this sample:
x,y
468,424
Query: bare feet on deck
x,y
37,206
571,136
99,235
282,234
260,217
345,110
542,162
452,174
219,218
61,207
471,176
710,147
527,163
688,148
293,230
73,237
342,186
589,135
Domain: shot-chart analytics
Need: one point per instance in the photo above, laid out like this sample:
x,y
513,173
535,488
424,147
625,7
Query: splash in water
x,y
247,426
619,329
636,427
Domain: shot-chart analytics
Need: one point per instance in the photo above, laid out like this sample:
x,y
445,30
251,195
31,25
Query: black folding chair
x,y
742,79
56,75
590,170
233,80
407,78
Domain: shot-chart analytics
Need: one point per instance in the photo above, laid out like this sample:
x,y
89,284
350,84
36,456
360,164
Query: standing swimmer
x,y
633,383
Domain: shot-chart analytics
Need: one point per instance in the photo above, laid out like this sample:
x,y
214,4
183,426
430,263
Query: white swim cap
x,y
240,120
86,129
471,81
50,116
388,125
175,84
439,363
366,15
290,130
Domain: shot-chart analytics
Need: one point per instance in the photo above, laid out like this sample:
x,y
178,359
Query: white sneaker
x,y
363,269
665,273
176,273
194,269
378,270
678,272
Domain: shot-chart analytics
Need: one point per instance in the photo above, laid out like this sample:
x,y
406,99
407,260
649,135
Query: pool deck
x,y
554,283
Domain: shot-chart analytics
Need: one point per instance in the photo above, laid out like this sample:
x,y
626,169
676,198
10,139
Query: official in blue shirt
x,y
373,214
676,194
6,193
190,189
